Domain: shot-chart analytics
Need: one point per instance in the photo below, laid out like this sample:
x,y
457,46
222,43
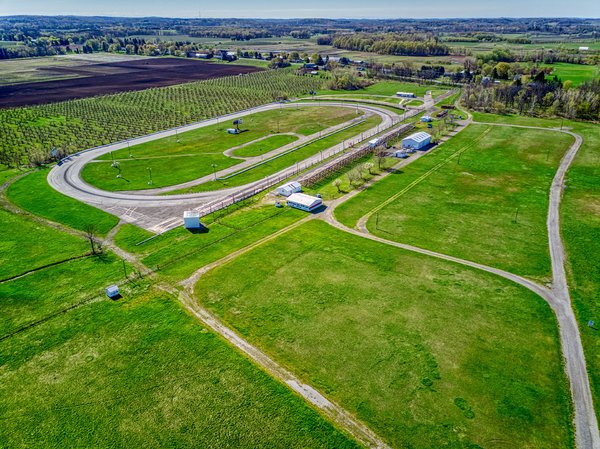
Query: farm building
x,y
406,95
426,119
402,154
373,143
304,202
416,141
191,219
233,131
289,188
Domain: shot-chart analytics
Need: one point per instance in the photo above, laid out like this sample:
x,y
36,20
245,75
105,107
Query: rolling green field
x,y
577,73
383,345
580,225
142,373
34,194
482,196
172,162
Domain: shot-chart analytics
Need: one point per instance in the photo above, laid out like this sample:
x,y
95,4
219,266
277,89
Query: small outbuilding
x,y
289,188
304,202
112,291
406,94
373,143
416,141
233,131
191,219
402,154
426,119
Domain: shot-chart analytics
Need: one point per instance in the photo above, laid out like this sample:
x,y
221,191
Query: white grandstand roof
x,y
419,137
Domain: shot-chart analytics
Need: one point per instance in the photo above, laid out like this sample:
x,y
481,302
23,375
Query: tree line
x,y
392,44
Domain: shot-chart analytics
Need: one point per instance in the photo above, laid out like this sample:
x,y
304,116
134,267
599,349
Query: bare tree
x,y
368,166
90,232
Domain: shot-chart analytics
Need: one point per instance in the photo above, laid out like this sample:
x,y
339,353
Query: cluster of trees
x,y
346,78
538,97
392,44
542,56
233,33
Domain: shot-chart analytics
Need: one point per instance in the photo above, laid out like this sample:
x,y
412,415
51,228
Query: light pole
x,y
129,149
214,167
149,175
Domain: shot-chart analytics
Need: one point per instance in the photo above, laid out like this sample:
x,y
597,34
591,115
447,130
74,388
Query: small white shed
x,y
304,202
191,219
233,131
406,94
289,188
426,119
416,141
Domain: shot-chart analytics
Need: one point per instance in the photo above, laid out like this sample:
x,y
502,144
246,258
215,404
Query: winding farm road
x,y
558,298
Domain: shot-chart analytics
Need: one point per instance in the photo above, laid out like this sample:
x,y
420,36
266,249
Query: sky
x,y
306,8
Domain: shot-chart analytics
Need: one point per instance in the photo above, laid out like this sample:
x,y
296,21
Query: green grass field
x,y
26,245
34,194
389,88
580,225
173,162
467,206
577,73
264,146
142,373
258,172
427,353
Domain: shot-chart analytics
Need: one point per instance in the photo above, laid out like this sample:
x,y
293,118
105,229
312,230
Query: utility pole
x,y
214,167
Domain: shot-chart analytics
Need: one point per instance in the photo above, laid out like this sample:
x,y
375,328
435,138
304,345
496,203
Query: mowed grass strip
x,y
488,204
26,245
141,372
264,146
426,352
178,253
191,155
34,194
271,167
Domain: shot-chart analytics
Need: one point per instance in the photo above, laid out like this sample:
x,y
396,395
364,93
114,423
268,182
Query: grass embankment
x,y
580,226
481,196
33,194
273,166
178,253
141,372
369,325
191,155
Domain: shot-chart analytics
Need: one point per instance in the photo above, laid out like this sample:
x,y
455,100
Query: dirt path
x,y
328,408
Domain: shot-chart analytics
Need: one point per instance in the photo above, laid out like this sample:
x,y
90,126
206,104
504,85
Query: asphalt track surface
x,y
159,213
